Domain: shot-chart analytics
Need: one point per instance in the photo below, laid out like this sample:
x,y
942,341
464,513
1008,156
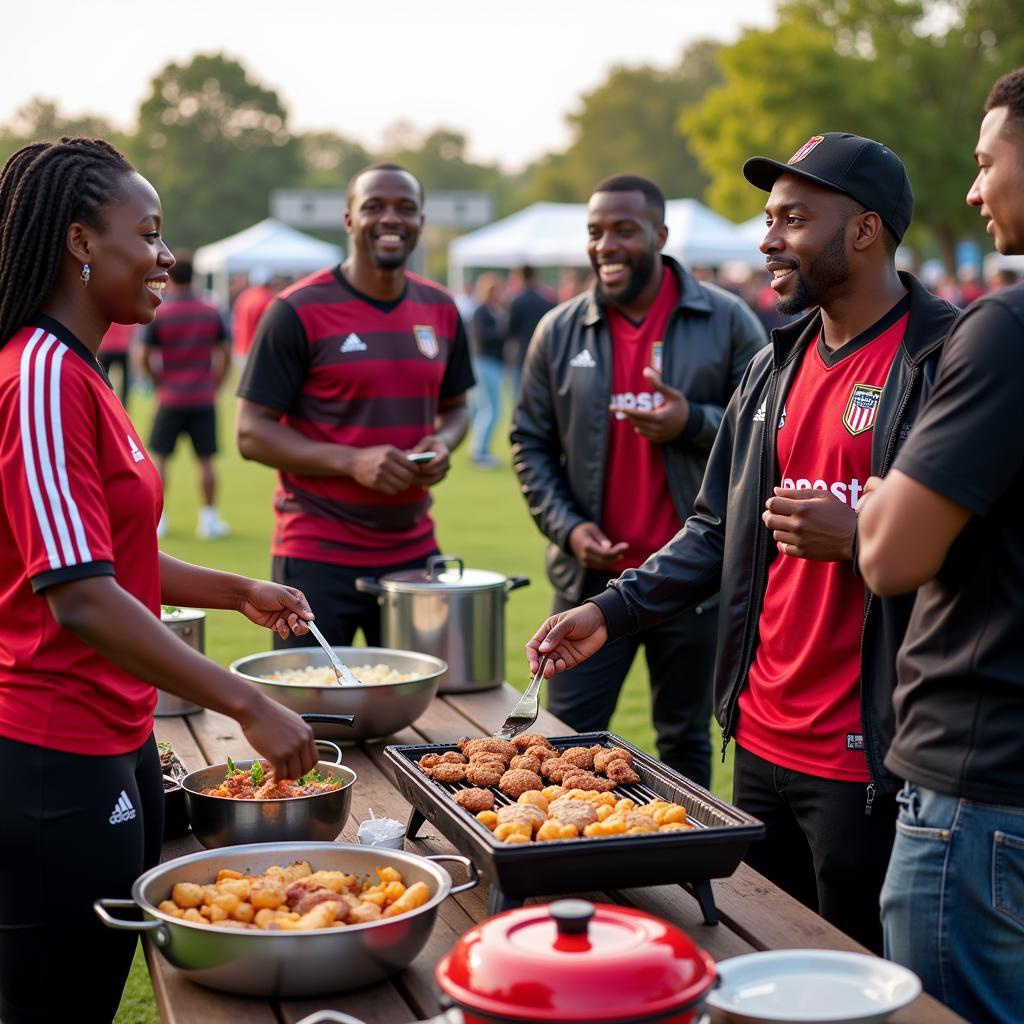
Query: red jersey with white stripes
x,y
801,709
81,498
346,369
186,331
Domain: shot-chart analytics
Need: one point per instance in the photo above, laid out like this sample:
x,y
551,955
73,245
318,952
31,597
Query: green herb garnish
x,y
257,774
311,776
232,770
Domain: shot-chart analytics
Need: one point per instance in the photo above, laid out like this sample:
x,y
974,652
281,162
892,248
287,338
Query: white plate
x,y
819,985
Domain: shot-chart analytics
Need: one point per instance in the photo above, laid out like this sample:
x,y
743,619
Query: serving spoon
x,y
341,670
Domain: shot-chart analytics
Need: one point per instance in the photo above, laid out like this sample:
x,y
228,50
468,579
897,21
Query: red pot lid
x,y
575,961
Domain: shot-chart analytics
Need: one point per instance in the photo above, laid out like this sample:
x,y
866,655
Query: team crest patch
x,y
426,339
806,148
657,354
861,408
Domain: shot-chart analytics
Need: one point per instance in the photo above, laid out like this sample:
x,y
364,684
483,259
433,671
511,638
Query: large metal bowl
x,y
287,964
222,821
380,709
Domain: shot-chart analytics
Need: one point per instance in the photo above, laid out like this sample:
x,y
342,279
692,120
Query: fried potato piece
x,y
553,792
506,829
475,800
556,830
488,819
415,896
187,895
267,893
531,796
517,781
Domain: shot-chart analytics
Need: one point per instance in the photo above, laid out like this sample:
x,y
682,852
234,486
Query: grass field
x,y
480,516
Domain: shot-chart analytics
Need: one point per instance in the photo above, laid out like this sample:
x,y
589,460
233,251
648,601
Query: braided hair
x,y
44,188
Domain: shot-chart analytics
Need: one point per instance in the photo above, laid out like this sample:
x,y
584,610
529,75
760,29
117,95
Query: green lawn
x,y
480,516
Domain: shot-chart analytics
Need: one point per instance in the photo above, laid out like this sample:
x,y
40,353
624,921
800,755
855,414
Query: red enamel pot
x,y
574,962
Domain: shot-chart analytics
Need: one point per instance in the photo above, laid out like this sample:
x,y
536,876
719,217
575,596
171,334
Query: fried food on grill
x,y
620,773
448,772
454,757
541,753
606,755
554,769
556,830
578,813
517,781
428,761
485,773
475,800
525,740
531,796
492,744
526,761
582,757
579,779
489,755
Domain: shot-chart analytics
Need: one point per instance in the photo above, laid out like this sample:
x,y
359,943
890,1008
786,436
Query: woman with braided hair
x,y
81,584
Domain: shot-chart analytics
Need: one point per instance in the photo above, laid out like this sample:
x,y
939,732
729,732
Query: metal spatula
x,y
341,670
524,714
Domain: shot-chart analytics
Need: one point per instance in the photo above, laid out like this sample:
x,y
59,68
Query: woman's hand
x,y
277,607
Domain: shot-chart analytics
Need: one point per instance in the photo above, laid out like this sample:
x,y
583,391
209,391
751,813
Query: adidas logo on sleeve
x,y
123,810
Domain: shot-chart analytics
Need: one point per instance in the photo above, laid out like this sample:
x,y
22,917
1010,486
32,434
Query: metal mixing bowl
x,y
380,709
287,964
222,821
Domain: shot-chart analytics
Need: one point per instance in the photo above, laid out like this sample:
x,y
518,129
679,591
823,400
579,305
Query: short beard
x,y
640,275
829,268
395,262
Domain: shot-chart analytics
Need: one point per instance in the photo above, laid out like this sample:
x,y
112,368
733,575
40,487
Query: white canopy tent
x,y
555,235
270,246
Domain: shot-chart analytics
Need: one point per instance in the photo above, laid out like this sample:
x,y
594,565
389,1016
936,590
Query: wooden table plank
x,y
219,737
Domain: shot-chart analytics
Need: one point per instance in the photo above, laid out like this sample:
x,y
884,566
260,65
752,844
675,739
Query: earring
x,y
86,274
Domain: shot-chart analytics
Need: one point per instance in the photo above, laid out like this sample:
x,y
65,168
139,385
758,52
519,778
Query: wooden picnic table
x,y
753,913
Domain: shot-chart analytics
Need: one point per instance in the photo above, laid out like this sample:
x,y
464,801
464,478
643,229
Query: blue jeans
x,y
486,402
953,902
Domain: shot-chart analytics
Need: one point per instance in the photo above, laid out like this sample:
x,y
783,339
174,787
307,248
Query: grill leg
x,y
706,898
414,824
498,902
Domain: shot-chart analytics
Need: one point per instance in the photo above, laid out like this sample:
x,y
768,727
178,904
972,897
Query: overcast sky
x,y
504,73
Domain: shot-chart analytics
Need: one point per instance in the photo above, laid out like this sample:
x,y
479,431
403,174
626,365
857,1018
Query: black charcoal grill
x,y
713,848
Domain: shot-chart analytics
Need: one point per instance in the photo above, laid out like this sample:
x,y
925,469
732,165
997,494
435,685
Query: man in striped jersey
x,y
353,370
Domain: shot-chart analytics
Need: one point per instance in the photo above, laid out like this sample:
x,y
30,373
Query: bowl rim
x,y
238,667
441,875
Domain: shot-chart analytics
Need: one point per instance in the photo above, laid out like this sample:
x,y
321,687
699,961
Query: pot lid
x,y
575,961
443,572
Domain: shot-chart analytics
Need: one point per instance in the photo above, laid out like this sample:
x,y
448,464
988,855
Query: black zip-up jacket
x,y
725,546
560,426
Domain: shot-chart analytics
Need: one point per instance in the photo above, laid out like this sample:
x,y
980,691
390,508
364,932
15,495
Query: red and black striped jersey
x,y
186,331
347,369
81,498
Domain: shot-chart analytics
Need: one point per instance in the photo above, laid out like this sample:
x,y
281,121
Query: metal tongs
x,y
524,714
345,675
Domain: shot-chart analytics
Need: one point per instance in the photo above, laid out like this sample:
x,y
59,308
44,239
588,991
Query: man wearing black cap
x,y
806,656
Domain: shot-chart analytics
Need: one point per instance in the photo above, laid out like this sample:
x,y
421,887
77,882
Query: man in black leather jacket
x,y
623,390
834,216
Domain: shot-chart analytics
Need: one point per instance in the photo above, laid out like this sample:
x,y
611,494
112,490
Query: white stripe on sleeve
x,y
57,433
28,452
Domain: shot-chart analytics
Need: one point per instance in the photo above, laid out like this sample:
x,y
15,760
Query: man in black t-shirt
x,y
948,519
524,313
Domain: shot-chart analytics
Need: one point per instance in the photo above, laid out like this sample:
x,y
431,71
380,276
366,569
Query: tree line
x,y
911,73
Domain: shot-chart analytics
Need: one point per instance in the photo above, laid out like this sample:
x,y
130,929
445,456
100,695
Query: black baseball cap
x,y
861,168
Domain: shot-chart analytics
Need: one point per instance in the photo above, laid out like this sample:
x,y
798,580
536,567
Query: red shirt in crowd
x,y
249,307
347,369
638,506
186,331
118,338
81,498
801,709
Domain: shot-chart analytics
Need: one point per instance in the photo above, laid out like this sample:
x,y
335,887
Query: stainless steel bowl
x,y
380,709
221,821
287,964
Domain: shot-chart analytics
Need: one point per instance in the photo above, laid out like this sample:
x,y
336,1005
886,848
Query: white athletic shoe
x,y
211,526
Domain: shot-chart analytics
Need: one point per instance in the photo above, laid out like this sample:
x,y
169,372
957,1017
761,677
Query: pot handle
x,y
332,1016
335,749
366,585
159,930
320,718
515,582
466,863
436,564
